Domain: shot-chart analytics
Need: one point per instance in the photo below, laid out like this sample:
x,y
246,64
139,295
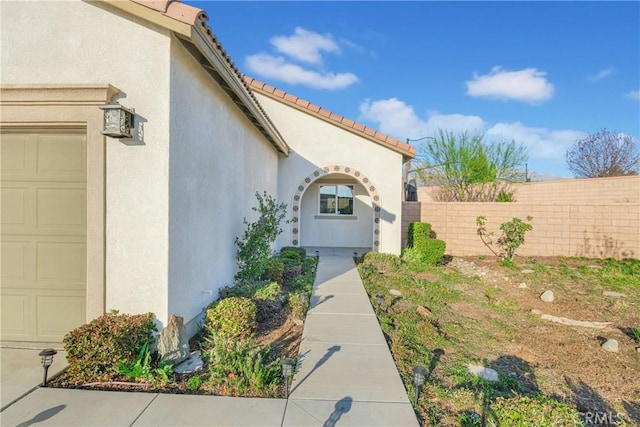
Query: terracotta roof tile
x,y
175,10
329,116
324,112
290,98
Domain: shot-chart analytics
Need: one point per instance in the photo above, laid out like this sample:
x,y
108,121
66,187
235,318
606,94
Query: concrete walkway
x,y
345,376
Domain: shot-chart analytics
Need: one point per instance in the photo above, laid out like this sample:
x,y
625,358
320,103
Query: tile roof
x,y
330,117
175,10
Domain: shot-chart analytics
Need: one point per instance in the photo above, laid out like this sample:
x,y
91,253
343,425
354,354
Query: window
x,y
336,199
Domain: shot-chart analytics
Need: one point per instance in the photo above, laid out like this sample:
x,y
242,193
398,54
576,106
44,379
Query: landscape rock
x,y
173,343
547,296
536,312
395,292
192,364
613,294
522,285
571,322
527,271
610,345
423,311
482,372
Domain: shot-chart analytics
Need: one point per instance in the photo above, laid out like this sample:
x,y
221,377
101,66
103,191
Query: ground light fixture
x,y
419,376
355,256
46,358
317,255
287,371
379,299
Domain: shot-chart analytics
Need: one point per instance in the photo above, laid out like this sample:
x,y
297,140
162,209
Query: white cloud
x,y
634,94
305,46
546,147
542,143
528,85
603,74
395,117
276,68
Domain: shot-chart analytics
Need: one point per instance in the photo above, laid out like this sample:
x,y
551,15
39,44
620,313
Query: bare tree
x,y
604,153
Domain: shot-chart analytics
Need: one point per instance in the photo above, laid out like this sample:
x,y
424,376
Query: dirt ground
x,y
564,361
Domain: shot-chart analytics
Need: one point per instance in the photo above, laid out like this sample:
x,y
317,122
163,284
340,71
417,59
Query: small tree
x,y
254,248
510,240
466,168
604,153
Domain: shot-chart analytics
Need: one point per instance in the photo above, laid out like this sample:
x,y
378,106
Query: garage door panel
x,y
15,159
61,262
17,262
57,315
62,207
43,243
61,156
15,316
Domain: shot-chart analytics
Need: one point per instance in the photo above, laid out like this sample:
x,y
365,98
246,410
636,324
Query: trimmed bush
x,y
290,274
268,292
96,351
273,269
233,317
418,231
302,252
433,251
302,283
291,254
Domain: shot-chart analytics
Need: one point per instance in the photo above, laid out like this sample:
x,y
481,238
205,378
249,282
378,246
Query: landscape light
x,y
419,376
287,371
46,358
379,299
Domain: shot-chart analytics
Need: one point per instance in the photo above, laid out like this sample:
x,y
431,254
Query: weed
x,y
194,383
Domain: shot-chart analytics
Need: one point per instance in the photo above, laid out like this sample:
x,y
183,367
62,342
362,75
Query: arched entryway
x,y
321,175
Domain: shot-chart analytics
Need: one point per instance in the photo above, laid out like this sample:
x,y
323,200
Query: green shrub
x,y
418,232
273,269
531,411
239,367
505,197
511,239
96,351
254,247
302,252
433,251
290,273
290,254
302,283
194,383
243,289
268,292
382,261
232,317
299,304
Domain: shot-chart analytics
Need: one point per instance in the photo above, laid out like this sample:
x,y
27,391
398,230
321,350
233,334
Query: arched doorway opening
x,y
324,214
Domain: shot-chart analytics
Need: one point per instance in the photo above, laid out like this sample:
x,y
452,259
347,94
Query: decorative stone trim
x,y
328,170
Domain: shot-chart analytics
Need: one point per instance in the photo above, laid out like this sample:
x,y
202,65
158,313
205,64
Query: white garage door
x,y
43,289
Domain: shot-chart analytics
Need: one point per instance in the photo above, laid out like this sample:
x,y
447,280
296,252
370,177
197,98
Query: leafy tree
x,y
604,153
467,168
254,247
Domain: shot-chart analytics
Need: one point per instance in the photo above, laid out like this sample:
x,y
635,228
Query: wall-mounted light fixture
x,y
118,121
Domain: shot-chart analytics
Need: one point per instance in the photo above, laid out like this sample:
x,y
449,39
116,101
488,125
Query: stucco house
x,y
92,223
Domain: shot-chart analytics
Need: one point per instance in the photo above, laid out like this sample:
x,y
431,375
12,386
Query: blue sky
x,y
541,73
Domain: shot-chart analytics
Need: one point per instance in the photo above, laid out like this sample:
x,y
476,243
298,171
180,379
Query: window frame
x,y
336,213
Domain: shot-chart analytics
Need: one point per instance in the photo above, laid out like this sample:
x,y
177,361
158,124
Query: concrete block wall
x,y
599,231
622,189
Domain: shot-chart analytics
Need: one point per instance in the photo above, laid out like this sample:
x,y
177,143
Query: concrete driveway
x,y
21,371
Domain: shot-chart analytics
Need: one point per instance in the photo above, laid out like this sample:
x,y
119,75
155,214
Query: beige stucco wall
x,y
345,231
74,42
317,144
218,161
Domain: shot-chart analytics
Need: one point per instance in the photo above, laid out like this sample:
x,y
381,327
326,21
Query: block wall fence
x,y
597,218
